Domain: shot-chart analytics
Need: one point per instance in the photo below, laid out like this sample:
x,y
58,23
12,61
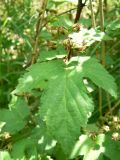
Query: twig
x,y
60,14
109,103
66,12
79,10
38,29
113,108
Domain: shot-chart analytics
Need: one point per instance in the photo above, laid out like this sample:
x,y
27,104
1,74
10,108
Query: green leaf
x,y
14,119
52,54
113,25
65,104
42,72
67,108
38,73
112,148
37,140
4,155
93,70
88,147
101,146
23,149
59,154
45,142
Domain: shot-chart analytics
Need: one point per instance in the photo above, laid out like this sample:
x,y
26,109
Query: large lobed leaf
x,y
67,108
65,104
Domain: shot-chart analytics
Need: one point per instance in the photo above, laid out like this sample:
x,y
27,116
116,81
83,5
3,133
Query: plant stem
x,y
103,54
103,47
60,14
79,10
109,103
100,103
113,108
38,29
101,15
106,6
92,15
93,22
102,29
97,56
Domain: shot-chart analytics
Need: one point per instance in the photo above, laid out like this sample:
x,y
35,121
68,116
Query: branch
x,y
79,10
113,108
38,29
66,12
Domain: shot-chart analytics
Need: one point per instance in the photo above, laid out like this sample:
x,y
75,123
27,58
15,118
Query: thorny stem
x,y
38,29
79,10
106,5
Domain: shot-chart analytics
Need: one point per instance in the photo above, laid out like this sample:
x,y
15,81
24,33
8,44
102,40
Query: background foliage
x,y
59,81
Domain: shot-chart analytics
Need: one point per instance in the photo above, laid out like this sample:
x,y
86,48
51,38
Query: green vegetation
x,y
59,80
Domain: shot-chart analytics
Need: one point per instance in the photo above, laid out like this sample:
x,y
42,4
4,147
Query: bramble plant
x,y
59,80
